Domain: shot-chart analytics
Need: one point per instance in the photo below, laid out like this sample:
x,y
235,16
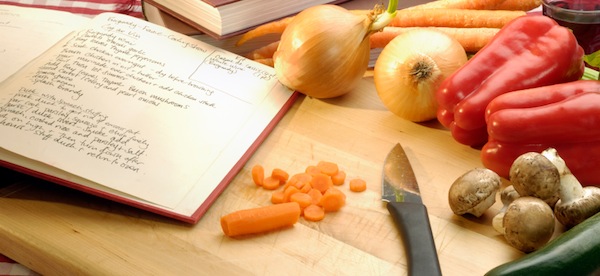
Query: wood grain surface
x,y
58,231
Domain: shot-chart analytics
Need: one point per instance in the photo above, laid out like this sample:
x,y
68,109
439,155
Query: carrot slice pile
x,y
310,194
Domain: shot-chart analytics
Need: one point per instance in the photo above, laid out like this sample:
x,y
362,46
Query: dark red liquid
x,y
581,16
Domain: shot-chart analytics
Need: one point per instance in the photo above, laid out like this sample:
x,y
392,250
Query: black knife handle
x,y
413,223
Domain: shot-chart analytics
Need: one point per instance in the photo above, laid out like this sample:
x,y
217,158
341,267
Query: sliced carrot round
x,y
271,183
280,174
303,199
339,178
328,168
313,213
332,200
258,175
315,195
277,197
321,182
358,185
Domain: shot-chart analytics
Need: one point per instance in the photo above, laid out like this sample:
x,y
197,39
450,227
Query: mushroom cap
x,y
528,223
474,192
532,174
574,212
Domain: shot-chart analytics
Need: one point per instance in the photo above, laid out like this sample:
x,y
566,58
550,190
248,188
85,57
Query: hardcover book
x,y
226,18
130,111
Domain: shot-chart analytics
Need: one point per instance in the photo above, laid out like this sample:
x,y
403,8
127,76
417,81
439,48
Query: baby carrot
x,y
258,175
261,219
321,182
271,183
328,168
358,185
332,200
314,213
280,174
339,178
456,18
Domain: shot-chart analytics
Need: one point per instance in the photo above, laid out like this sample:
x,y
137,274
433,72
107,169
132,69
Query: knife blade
x,y
401,192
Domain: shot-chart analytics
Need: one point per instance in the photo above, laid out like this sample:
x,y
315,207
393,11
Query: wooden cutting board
x,y
54,230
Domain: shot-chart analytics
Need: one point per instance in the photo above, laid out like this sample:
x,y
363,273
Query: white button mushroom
x,y
474,192
528,223
532,174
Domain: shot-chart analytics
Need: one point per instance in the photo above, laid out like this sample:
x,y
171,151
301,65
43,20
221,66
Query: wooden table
x,y
58,231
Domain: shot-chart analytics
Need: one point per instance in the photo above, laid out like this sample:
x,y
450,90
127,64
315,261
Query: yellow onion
x,y
324,51
411,68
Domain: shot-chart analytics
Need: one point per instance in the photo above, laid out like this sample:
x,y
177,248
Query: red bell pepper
x,y
530,51
563,116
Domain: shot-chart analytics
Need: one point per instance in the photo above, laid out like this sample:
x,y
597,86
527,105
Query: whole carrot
x,y
261,219
519,5
273,27
457,18
460,4
472,39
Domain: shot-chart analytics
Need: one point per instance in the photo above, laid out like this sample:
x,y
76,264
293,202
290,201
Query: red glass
x,y
581,16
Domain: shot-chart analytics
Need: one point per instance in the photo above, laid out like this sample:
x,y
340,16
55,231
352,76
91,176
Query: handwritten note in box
x,y
225,73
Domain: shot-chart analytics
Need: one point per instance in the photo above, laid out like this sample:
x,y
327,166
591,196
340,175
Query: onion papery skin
x,y
411,68
324,51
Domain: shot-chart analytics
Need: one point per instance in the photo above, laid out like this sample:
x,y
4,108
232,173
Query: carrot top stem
x,y
385,18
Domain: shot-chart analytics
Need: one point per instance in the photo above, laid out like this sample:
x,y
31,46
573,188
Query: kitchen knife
x,y
401,192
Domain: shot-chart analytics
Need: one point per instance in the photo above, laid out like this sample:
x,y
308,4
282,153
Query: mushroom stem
x,y
576,203
570,188
507,196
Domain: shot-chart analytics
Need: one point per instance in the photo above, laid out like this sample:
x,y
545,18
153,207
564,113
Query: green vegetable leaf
x,y
593,59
